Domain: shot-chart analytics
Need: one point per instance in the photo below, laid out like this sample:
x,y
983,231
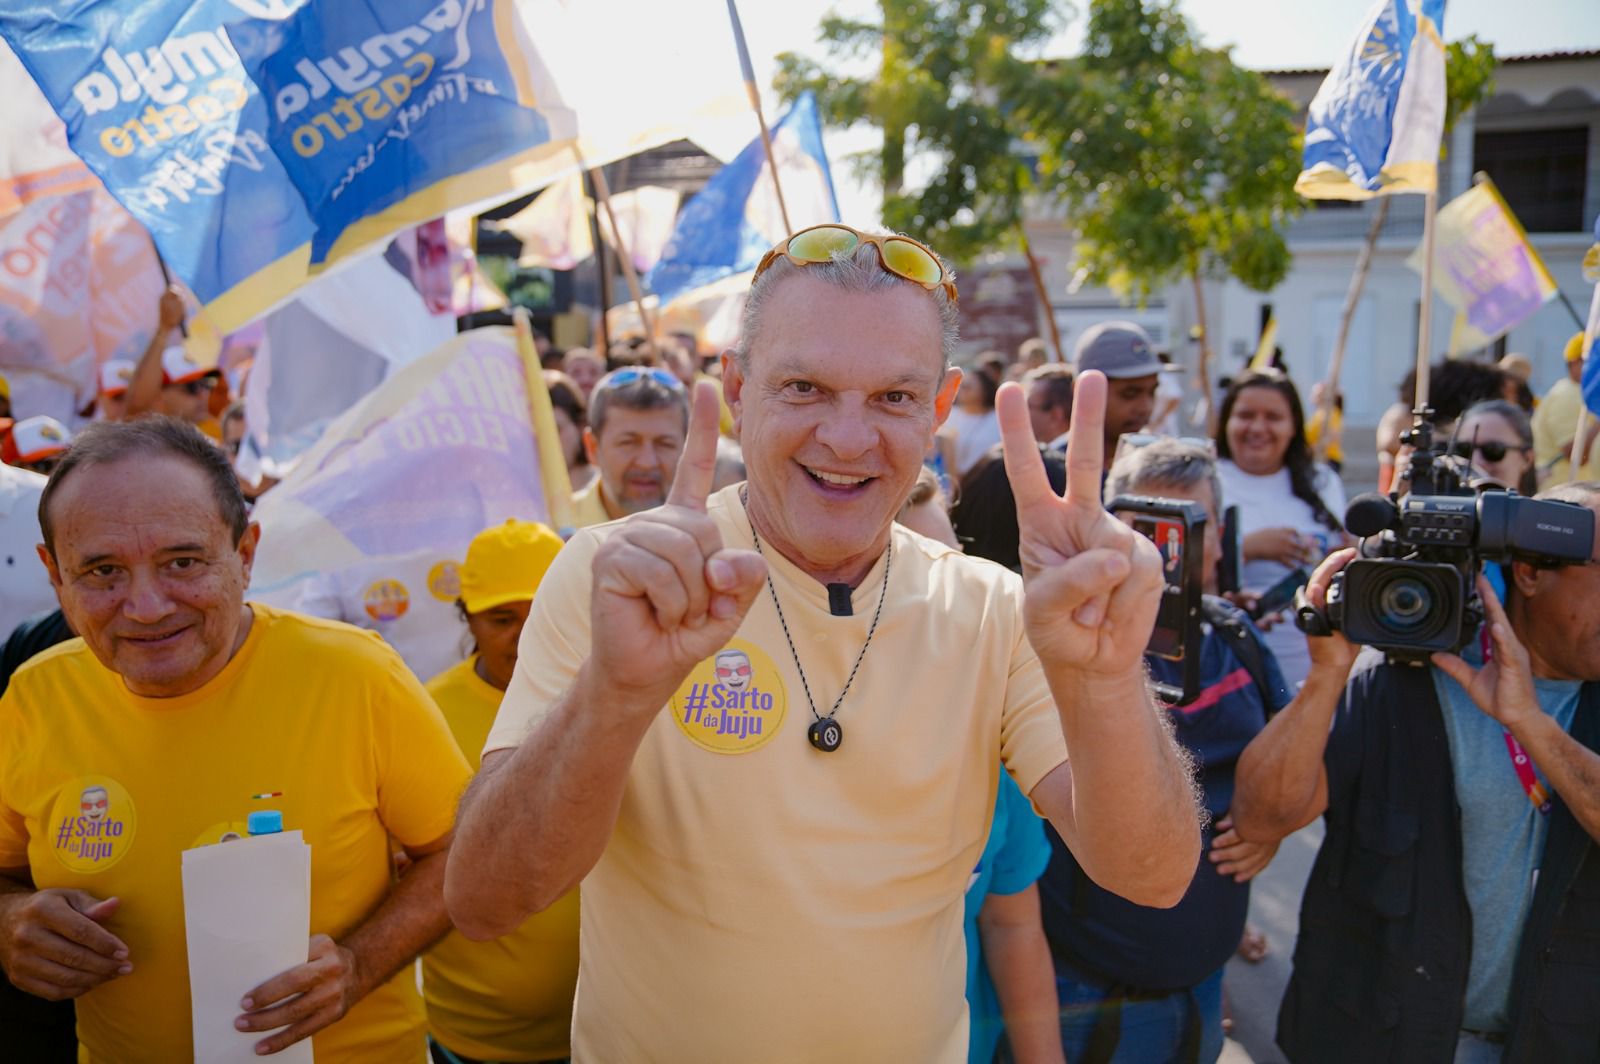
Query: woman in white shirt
x,y
1289,505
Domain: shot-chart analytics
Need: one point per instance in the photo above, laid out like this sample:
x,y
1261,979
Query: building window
x,y
1540,172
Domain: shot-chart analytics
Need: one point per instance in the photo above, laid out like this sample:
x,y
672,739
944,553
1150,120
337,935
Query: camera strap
x,y
1521,763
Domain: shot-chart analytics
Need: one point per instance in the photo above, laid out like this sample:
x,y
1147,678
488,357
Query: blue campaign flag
x,y
1591,355
732,222
385,110
155,101
1375,124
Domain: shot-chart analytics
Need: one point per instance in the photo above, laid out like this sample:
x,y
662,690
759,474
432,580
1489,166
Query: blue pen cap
x,y
265,822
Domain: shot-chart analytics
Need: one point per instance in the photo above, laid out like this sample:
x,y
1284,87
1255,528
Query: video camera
x,y
1177,528
1412,592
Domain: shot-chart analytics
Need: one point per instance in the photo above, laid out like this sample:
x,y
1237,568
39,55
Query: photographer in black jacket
x,y
1454,909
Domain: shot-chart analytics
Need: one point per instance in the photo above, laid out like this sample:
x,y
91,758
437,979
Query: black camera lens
x,y
1404,605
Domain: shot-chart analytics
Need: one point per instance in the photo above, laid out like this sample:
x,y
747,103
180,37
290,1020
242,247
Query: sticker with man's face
x,y
733,702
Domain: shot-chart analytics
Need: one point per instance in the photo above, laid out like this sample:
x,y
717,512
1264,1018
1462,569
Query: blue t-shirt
x,y
1012,861
1097,933
1502,838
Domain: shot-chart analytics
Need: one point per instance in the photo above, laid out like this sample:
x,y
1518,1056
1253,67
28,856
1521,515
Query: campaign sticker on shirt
x,y
444,581
92,824
733,702
386,600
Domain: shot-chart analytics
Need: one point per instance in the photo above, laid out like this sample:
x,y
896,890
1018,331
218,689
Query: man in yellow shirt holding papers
x,y
509,1000
180,710
764,727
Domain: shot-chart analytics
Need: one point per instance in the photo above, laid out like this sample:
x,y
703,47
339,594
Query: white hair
x,y
858,270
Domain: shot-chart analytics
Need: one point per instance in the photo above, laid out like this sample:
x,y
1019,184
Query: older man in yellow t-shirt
x,y
509,1000
1556,419
764,727
180,710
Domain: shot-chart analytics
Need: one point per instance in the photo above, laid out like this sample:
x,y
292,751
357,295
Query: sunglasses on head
x,y
1493,450
621,378
899,255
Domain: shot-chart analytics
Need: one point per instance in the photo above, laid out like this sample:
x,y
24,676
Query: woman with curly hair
x,y
1289,504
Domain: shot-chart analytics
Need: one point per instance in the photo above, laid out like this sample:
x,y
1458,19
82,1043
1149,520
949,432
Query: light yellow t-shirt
x,y
103,790
762,900
588,509
509,999
1554,422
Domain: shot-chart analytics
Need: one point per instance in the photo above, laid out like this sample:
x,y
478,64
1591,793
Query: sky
x,y
1264,34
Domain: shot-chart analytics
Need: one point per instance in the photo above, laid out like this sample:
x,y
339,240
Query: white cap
x,y
115,376
34,439
178,368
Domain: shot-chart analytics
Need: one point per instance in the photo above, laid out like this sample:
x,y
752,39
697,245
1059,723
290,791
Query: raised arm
x,y
666,595
1281,781
1126,803
145,387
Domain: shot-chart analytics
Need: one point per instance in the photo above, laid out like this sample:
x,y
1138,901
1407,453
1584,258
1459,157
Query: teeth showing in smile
x,y
837,478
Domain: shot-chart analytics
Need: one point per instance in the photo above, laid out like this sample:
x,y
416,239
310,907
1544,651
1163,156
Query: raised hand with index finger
x,y
1092,585
667,593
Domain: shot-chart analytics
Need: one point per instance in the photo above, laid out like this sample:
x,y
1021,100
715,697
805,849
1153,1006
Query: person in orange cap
x,y
34,443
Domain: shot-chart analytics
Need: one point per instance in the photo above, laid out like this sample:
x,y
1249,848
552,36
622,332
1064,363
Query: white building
x,y
1538,137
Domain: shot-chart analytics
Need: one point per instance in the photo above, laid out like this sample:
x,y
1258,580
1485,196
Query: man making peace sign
x,y
764,727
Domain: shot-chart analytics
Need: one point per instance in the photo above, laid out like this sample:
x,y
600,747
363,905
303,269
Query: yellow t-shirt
x,y
509,999
1554,422
588,509
321,711
759,899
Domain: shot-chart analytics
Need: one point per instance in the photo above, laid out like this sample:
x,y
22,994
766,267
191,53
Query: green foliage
x,y
1171,160
1468,77
936,97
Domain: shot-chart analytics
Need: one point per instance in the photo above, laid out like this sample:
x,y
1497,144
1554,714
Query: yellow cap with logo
x,y
505,563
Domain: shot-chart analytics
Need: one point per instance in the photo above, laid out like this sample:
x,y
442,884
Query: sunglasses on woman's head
x,y
1493,450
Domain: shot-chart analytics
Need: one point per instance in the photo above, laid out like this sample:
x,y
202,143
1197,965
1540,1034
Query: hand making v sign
x,y
667,594
1092,584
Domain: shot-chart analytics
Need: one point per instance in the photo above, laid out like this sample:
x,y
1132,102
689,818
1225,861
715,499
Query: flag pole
x,y
1044,296
1425,324
166,278
603,194
749,72
553,476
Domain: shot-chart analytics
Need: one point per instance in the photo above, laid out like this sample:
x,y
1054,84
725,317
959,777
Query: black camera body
x,y
1177,528
1412,593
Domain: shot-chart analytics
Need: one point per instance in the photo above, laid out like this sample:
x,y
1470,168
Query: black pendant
x,y
826,735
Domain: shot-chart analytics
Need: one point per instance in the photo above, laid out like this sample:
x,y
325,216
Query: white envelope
x,y
247,917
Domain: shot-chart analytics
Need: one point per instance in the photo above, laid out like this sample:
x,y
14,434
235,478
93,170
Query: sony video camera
x,y
1412,592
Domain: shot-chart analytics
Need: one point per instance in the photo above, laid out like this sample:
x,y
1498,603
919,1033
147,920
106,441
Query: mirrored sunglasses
x,y
899,255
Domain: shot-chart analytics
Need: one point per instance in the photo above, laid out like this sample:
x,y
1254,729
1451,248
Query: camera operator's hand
x,y
1502,688
1239,857
1283,545
1330,651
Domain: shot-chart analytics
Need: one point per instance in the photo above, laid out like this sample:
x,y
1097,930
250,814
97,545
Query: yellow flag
x,y
1268,344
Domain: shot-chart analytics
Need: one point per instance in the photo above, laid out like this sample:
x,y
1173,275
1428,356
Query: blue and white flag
x,y
395,113
735,219
1591,356
1375,124
376,115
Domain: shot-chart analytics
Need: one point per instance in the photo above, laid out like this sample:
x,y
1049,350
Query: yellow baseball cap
x,y
1574,352
505,563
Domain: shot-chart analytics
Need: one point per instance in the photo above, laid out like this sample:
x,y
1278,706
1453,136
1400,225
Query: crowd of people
x,y
830,734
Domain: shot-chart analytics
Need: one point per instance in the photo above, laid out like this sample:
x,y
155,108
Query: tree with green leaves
x,y
1172,161
938,97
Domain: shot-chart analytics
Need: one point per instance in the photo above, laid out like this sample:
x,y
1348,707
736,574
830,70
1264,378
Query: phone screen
x,y
1168,535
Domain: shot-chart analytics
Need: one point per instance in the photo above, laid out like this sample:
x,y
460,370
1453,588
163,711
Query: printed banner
x,y
79,285
386,479
1485,267
35,161
1374,125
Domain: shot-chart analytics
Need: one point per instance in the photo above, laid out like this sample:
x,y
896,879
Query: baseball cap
x,y
1574,351
1119,349
34,439
178,368
505,563
115,376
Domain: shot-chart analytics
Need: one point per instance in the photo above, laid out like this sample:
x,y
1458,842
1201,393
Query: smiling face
x,y
147,571
1260,428
837,407
637,454
733,670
